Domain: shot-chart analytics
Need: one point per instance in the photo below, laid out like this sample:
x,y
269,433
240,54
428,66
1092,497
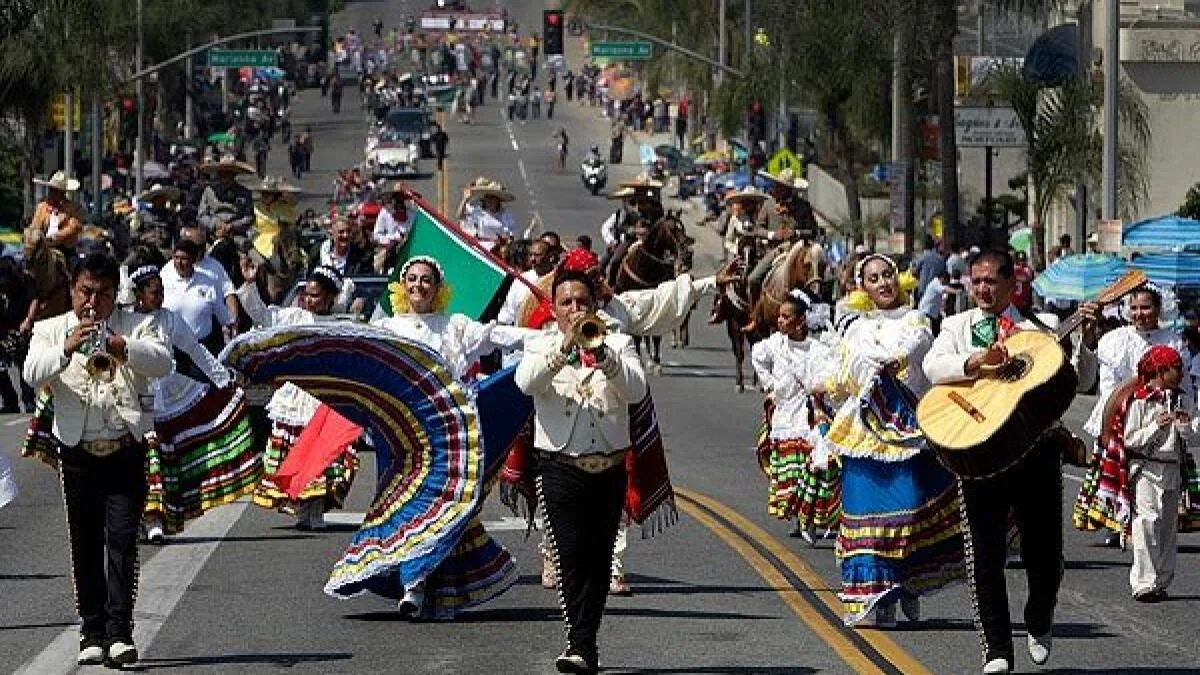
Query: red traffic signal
x,y
553,17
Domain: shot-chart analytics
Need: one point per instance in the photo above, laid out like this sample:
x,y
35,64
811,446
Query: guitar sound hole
x,y
1015,369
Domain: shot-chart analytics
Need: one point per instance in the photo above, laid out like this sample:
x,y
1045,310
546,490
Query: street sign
x,y
988,127
784,159
242,58
629,51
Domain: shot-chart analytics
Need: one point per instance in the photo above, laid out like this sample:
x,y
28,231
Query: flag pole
x,y
471,241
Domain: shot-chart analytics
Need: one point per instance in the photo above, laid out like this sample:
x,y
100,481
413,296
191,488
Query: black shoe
x,y
572,661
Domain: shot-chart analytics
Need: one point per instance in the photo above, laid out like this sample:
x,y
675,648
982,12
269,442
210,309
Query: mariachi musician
x,y
1031,488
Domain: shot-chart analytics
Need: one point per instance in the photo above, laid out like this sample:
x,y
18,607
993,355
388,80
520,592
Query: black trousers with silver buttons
x,y
104,500
583,511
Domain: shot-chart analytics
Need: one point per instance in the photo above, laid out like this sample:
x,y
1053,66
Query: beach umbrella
x,y
1021,239
1168,231
1079,277
221,137
1170,268
740,179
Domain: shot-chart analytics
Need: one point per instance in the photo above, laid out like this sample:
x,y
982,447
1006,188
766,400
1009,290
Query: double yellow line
x,y
865,651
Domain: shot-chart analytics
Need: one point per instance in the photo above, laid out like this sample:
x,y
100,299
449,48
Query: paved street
x,y
723,591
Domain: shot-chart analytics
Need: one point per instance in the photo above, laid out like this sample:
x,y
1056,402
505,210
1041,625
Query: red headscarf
x,y
580,260
1160,357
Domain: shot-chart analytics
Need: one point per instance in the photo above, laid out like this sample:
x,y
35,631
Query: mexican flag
x,y
473,276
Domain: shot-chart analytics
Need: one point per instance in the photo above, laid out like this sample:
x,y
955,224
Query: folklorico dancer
x,y
100,382
1118,353
789,366
582,476
291,409
1031,489
201,454
900,533
419,304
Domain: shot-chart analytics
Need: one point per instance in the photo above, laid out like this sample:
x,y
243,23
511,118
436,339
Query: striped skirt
x,y
332,486
900,534
203,456
798,491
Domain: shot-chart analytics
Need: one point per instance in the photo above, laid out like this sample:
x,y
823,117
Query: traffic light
x,y
552,32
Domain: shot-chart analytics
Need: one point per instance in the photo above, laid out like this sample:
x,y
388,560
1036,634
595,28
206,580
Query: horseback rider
x,y
742,236
641,200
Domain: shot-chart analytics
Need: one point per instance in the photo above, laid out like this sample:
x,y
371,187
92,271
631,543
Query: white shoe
x,y
911,606
155,535
1039,648
996,666
122,653
807,536
413,601
885,616
91,655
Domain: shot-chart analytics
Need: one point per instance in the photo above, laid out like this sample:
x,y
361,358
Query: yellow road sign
x,y
784,159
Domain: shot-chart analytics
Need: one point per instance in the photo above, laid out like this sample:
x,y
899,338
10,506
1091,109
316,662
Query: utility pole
x,y
187,91
900,171
722,41
69,133
981,28
1112,69
1082,200
139,153
749,38
97,153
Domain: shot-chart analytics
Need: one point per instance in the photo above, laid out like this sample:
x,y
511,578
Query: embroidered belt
x,y
590,463
104,448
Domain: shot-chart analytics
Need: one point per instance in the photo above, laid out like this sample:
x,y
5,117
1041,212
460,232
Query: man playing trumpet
x,y
97,363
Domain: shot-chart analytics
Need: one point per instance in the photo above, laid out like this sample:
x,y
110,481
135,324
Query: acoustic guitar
x,y
981,427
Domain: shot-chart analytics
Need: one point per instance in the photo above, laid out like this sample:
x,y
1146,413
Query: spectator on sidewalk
x,y
681,123
661,115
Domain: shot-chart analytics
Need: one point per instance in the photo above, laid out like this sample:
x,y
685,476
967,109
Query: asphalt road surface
x,y
723,591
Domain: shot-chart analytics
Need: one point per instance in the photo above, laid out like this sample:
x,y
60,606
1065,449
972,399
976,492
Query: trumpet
x,y
592,330
100,364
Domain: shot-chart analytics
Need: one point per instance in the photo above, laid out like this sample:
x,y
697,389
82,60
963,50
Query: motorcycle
x,y
594,174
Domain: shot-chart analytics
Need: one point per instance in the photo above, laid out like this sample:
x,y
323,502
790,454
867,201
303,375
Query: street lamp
x,y
139,161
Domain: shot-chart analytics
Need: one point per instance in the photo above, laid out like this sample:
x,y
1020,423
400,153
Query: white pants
x,y
1154,528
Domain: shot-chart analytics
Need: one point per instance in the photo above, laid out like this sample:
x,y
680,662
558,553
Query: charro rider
x,y
641,201
57,216
488,221
227,190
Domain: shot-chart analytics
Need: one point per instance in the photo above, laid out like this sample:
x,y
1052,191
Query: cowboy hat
x,y
273,184
746,194
122,206
485,187
59,181
786,177
158,191
227,164
642,181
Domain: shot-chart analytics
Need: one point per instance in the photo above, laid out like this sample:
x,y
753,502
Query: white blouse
x,y
459,340
487,226
1118,353
880,336
788,369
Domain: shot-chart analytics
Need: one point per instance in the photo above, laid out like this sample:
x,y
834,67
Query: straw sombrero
x,y
748,193
158,191
226,165
643,182
58,181
273,184
484,187
786,177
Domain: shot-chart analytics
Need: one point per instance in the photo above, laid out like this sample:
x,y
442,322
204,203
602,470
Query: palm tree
x,y
1063,144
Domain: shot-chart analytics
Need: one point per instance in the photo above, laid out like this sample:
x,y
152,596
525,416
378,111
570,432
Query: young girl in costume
x,y
788,365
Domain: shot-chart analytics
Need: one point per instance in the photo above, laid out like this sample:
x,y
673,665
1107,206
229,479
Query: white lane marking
x,y
24,419
524,176
514,144
164,580
1069,476
505,524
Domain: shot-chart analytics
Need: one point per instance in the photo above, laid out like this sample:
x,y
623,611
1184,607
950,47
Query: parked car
x,y
413,122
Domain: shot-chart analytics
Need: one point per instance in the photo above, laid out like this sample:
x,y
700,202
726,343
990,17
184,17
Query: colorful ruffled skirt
x,y
799,491
39,442
1094,512
204,456
900,534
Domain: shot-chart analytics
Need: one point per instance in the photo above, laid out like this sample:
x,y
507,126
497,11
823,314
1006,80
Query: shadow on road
x,y
715,670
33,626
284,660
29,577
683,614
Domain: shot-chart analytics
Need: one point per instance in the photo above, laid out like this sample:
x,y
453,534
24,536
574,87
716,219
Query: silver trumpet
x,y
100,364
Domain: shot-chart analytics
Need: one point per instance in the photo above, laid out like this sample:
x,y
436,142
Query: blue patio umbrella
x,y
1168,231
1170,268
739,179
1079,277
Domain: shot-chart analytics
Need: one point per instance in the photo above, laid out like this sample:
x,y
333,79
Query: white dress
x,y
457,338
789,368
1118,353
177,392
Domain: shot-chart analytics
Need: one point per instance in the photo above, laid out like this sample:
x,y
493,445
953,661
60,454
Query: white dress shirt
x,y
389,230
198,299
487,226
518,293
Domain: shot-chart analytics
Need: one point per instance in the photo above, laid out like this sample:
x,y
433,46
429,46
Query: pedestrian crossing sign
x,y
784,159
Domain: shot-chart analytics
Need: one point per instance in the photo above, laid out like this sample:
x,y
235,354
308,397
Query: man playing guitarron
x,y
1031,488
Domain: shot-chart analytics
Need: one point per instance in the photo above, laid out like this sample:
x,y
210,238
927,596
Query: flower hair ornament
x,y
862,264
142,274
425,260
1168,303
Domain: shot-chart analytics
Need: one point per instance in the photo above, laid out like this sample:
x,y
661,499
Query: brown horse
x,y
748,318
649,261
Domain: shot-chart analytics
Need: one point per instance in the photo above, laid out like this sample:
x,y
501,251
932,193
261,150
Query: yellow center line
x,y
879,641
840,644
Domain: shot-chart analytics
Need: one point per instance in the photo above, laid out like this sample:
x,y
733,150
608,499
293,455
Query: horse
x,y
750,317
648,262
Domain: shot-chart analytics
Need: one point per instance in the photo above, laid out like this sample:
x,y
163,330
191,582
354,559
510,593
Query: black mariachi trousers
x,y
583,512
1032,491
104,500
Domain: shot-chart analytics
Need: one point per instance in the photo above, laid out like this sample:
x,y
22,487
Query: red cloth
x,y
580,260
1160,357
321,442
540,316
